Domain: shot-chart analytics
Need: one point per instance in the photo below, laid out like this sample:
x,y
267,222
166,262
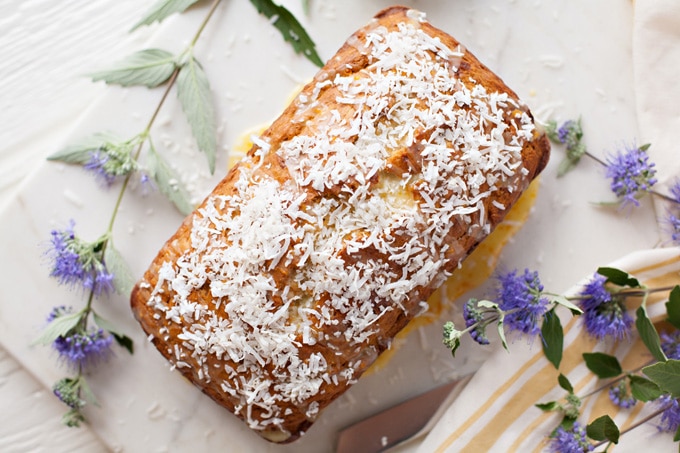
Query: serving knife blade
x,y
401,423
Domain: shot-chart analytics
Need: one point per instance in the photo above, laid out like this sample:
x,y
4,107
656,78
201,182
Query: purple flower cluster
x,y
519,296
569,133
673,214
68,391
97,164
573,440
670,418
81,350
674,224
75,262
619,395
473,316
604,315
670,344
631,174
111,161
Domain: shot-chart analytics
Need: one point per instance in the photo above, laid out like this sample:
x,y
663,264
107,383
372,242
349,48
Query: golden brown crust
x,y
172,314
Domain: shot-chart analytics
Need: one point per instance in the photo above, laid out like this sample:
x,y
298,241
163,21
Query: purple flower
x,y
619,395
670,417
111,161
81,350
68,392
75,262
675,191
98,165
604,314
674,228
572,440
672,220
519,296
569,133
630,173
472,316
670,344
57,312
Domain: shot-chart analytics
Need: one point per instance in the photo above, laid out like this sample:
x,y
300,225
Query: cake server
x,y
402,423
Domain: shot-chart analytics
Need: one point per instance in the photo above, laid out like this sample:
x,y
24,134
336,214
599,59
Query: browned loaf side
x,y
296,272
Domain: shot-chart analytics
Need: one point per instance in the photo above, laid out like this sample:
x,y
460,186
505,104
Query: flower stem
x,y
664,196
213,7
644,291
595,158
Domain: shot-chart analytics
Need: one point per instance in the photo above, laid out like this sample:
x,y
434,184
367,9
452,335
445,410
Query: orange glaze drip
x,y
475,270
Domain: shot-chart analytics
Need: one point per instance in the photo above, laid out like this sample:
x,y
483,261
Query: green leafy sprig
x,y
645,384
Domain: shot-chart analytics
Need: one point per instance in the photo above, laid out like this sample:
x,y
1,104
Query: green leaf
x,y
125,342
59,327
553,338
618,277
123,281
603,429
488,304
567,423
88,394
193,91
122,340
643,389
666,375
551,131
169,183
501,333
80,151
291,30
676,436
149,67
549,406
454,345
564,383
648,334
561,300
162,9
603,365
451,337
565,166
673,307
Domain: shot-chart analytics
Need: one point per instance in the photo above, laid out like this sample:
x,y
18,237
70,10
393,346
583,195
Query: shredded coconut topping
x,y
382,187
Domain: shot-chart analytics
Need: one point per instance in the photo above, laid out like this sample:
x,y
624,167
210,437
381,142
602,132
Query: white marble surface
x,y
564,58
